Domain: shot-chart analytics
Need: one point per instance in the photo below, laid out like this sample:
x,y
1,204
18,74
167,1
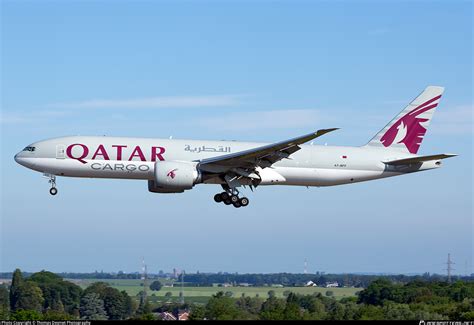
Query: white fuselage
x,y
134,158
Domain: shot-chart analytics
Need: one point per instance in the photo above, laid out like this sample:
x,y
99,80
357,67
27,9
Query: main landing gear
x,y
52,180
231,196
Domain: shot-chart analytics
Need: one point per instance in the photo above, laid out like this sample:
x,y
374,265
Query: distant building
x,y
332,284
311,284
245,284
167,316
182,315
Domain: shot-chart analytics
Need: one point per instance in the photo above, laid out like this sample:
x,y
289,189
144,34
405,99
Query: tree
x,y
28,315
273,309
57,315
394,311
197,313
29,297
17,280
220,307
250,305
59,295
115,304
56,303
377,292
271,293
4,303
292,309
329,293
317,309
168,295
156,285
129,307
371,312
292,312
144,307
92,307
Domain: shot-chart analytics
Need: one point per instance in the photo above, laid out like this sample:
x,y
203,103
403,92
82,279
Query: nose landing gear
x,y
231,196
52,180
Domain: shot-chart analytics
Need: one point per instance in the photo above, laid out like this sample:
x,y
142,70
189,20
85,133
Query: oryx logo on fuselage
x,y
409,129
80,152
171,174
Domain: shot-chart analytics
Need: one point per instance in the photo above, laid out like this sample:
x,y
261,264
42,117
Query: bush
x,y
26,315
156,285
329,293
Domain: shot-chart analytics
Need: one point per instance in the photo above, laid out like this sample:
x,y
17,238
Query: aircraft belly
x,y
327,177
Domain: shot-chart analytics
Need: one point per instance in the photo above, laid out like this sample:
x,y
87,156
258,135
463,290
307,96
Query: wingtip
x,y
326,130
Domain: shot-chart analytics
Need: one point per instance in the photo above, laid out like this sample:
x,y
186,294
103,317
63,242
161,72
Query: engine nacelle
x,y
173,177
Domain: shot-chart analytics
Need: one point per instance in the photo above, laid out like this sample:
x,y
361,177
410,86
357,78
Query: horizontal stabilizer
x,y
420,159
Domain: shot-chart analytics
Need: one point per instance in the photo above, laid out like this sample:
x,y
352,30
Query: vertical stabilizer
x,y
407,130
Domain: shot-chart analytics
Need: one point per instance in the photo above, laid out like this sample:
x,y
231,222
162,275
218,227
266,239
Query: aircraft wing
x,y
420,159
246,161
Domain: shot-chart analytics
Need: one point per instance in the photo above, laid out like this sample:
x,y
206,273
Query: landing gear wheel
x,y
53,191
224,196
237,204
218,197
234,199
244,201
227,202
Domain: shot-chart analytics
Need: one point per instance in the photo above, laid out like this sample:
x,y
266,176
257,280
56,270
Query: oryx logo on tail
x,y
409,129
406,131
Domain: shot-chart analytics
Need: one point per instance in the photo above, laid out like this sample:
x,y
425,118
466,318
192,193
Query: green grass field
x,y
202,294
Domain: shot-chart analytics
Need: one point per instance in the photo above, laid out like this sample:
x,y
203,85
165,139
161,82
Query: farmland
x,y
202,294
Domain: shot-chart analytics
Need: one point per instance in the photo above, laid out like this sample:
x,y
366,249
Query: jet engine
x,y
173,177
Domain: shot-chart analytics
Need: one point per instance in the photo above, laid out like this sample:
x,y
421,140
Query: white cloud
x,y
155,102
59,110
22,117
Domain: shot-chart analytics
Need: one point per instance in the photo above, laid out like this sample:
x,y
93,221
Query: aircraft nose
x,y
22,160
18,158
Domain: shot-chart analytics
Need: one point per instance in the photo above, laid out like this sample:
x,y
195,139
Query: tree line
x,y
382,300
45,295
292,279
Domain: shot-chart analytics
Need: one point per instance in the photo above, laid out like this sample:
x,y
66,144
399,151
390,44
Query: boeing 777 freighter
x,y
173,166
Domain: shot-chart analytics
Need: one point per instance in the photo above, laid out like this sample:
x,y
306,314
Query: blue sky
x,y
258,71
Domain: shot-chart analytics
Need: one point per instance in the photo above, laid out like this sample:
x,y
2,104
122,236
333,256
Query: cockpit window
x,y
31,149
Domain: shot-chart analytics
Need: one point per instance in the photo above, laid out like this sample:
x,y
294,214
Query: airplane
x,y
174,165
